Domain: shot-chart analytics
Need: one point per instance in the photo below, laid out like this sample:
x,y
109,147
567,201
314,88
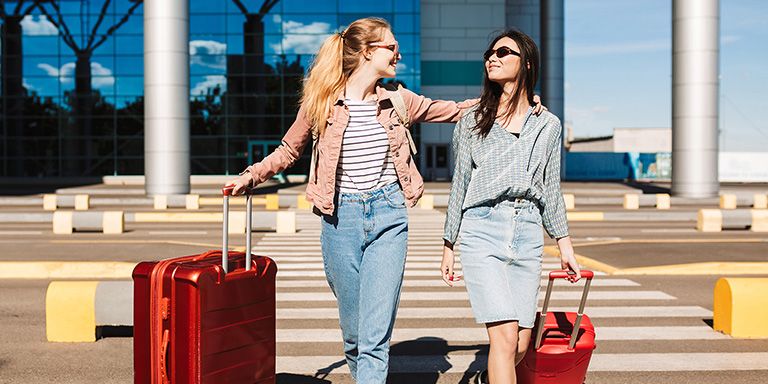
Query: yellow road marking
x,y
587,262
705,268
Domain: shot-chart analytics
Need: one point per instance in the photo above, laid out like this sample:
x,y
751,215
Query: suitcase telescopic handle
x,y
585,274
226,193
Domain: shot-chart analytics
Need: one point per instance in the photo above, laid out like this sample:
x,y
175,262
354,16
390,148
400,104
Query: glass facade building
x,y
72,79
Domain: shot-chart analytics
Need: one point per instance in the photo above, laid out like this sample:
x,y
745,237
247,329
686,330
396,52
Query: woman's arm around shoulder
x,y
424,109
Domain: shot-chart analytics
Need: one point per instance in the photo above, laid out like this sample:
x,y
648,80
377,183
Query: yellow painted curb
x,y
706,268
66,270
584,261
70,311
741,307
585,216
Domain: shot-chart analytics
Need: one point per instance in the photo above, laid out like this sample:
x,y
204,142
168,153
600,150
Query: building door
x,y
437,162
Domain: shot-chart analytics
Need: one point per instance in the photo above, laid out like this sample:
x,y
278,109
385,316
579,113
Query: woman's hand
x,y
568,258
538,108
240,184
446,267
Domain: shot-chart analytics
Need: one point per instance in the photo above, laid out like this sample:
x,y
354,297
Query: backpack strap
x,y
402,113
315,154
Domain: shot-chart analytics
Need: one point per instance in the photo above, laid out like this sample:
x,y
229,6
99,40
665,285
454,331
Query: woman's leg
x,y
523,341
342,243
381,277
503,353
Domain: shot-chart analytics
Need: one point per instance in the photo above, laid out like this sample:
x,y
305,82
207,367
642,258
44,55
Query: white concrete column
x,y
695,106
166,97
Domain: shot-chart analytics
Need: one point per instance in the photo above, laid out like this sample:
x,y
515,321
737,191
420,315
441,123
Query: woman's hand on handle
x,y
446,266
240,184
568,258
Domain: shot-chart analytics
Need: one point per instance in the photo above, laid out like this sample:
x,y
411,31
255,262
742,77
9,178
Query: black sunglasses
x,y
500,52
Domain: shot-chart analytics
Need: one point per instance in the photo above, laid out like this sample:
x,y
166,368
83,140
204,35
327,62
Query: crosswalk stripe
x,y
432,265
299,257
466,312
608,362
408,273
479,333
462,295
317,283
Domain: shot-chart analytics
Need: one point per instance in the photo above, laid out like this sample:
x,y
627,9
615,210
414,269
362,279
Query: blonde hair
x,y
337,58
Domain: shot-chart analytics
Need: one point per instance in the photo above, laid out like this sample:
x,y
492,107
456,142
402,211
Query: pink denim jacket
x,y
322,187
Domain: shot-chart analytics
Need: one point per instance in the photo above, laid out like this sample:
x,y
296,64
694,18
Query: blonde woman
x,y
362,181
506,187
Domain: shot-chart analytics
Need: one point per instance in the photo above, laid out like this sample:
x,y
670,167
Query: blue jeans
x,y
364,246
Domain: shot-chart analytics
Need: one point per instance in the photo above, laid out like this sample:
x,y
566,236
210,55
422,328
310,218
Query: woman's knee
x,y
504,336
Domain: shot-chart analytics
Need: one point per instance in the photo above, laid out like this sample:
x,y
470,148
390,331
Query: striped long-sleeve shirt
x,y
502,166
365,161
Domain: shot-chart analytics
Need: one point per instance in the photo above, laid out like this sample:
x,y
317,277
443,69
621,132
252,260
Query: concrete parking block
x,y
70,311
741,307
161,202
82,202
759,220
728,201
427,202
760,201
49,202
192,201
631,201
113,222
709,220
570,201
663,201
286,222
62,222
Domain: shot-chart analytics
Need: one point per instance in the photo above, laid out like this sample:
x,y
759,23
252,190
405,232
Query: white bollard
x,y
631,201
82,202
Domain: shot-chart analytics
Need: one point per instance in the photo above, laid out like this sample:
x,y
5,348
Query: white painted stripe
x,y
316,247
620,362
465,312
408,273
480,334
677,362
283,243
668,230
433,265
15,233
462,295
435,254
163,233
439,283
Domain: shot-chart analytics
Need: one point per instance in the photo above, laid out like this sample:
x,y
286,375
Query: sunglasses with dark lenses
x,y
500,52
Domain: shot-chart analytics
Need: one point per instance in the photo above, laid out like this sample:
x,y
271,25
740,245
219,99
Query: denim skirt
x,y
501,253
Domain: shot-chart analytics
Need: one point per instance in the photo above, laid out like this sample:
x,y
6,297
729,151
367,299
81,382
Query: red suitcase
x,y
207,318
563,345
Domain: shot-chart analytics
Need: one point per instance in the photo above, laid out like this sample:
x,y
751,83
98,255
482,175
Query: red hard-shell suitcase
x,y
207,318
563,345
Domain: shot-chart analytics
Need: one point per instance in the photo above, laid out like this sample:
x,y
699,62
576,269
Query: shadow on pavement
x,y
435,346
289,378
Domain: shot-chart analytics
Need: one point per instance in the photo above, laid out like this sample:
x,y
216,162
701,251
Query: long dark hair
x,y
485,114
